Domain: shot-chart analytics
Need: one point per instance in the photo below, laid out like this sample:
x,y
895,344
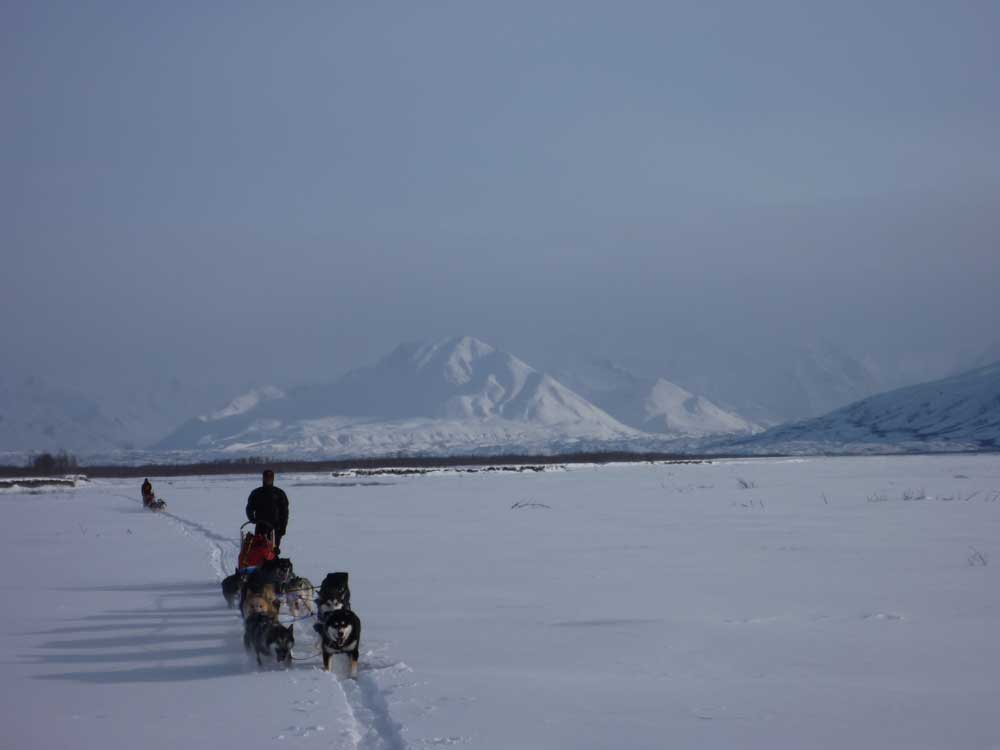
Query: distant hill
x,y
652,405
961,412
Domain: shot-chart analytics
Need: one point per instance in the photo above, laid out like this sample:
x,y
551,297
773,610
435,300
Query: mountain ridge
x,y
960,412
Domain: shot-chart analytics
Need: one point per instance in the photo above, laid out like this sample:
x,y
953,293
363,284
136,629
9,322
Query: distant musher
x,y
149,497
269,504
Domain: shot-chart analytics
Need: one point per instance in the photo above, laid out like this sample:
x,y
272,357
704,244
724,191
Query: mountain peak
x,y
455,356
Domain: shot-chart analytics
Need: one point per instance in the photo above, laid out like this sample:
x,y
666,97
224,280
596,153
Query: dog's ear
x,y
291,627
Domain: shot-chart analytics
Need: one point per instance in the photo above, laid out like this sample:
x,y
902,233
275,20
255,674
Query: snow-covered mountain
x,y
457,394
245,402
150,409
651,404
462,395
957,413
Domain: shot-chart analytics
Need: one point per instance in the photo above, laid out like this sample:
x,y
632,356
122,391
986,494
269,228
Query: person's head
x,y
268,477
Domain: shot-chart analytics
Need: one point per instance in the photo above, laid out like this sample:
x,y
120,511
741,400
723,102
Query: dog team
x,y
262,590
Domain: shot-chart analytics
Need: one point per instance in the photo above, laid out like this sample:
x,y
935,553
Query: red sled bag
x,y
257,548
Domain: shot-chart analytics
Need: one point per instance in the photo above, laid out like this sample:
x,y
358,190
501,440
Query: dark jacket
x,y
269,505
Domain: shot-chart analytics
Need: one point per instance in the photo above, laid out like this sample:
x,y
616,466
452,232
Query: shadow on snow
x,y
174,643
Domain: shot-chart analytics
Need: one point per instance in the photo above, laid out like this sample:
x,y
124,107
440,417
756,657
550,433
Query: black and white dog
x,y
340,630
334,594
265,636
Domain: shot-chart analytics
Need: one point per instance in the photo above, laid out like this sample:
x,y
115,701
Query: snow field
x,y
756,603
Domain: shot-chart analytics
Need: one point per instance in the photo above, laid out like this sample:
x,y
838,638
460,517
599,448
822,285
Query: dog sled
x,y
150,502
256,547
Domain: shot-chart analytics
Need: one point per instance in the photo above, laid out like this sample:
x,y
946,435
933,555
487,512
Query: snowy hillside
x,y
36,415
453,395
650,404
245,402
956,413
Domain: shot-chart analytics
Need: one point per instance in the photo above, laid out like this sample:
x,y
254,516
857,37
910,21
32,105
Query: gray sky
x,y
280,191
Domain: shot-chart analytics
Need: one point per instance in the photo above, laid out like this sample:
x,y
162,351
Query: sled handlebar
x,y
269,525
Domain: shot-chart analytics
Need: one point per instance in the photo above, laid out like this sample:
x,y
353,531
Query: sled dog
x,y
260,603
264,636
341,634
269,580
334,594
277,572
299,595
231,586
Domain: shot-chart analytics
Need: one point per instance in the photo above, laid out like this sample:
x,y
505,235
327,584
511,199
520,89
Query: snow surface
x,y
820,603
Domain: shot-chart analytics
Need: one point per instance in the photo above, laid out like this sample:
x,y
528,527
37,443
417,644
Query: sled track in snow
x,y
374,727
367,703
222,550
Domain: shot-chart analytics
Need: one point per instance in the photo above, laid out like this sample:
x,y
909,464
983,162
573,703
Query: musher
x,y
269,504
148,497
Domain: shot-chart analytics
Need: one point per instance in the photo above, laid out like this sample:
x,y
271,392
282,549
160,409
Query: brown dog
x,y
262,602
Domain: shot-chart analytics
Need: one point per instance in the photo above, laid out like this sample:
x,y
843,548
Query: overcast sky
x,y
281,191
